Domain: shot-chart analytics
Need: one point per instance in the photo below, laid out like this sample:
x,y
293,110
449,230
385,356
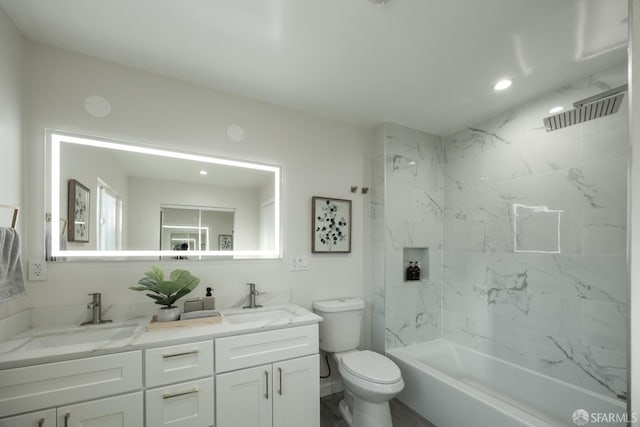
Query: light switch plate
x,y
299,263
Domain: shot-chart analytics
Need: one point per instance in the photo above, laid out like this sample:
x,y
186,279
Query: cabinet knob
x,y
266,382
66,419
280,375
41,422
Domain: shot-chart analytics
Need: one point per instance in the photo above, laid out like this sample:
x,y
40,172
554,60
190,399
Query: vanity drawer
x,y
54,384
242,351
185,404
166,365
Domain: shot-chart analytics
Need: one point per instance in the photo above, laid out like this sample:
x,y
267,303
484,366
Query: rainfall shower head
x,y
594,107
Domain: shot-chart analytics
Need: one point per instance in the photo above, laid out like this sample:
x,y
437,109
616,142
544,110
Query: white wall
x,y
319,157
11,136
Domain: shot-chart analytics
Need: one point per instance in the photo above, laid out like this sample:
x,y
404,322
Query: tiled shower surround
x,y
407,213
532,249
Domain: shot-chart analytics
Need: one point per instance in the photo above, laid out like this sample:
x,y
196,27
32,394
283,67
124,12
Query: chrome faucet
x,y
96,310
252,296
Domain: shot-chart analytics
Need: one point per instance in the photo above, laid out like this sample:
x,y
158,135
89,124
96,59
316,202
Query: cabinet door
x,y
244,398
296,397
34,419
188,404
119,411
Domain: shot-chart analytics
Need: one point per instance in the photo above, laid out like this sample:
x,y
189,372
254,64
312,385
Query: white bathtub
x,y
453,386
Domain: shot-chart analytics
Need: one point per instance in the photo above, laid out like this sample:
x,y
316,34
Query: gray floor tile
x,y
402,415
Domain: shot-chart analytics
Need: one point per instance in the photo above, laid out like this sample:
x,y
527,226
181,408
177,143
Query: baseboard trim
x,y
329,387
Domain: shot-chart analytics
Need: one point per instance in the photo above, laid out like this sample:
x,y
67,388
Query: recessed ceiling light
x,y
503,84
556,109
203,172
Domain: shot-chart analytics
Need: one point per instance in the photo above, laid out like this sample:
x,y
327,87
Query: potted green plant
x,y
166,292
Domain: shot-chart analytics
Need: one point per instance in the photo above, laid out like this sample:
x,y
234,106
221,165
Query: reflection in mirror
x,y
196,228
148,202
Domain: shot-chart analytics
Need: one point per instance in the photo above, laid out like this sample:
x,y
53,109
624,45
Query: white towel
x,y
11,280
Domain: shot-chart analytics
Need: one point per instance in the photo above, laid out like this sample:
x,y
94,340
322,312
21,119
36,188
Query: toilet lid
x,y
371,366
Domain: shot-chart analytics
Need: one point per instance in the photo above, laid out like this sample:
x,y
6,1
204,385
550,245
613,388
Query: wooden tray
x,y
202,321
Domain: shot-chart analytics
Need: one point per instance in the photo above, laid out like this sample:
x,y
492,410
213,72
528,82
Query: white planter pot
x,y
168,314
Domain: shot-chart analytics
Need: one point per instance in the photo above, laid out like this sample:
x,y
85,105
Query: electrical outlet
x,y
37,270
298,263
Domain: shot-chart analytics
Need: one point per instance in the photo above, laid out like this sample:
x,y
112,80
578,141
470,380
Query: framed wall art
x,y
79,219
225,242
331,225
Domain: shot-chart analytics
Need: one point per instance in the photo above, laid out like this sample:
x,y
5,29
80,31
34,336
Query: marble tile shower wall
x,y
534,267
378,250
407,213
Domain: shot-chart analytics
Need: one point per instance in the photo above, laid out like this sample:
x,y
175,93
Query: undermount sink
x,y
258,315
73,336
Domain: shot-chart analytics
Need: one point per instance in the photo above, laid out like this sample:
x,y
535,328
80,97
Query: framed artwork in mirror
x,y
225,242
78,211
331,225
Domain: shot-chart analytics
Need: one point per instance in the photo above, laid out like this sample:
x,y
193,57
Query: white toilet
x,y
370,379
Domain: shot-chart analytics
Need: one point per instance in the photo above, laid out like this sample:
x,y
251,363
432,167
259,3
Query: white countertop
x,y
20,350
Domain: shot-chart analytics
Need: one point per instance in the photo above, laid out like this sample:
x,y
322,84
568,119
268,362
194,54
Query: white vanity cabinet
x,y
296,392
179,385
59,385
262,379
268,379
119,411
46,418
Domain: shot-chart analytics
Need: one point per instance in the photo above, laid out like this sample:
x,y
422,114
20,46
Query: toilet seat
x,y
372,367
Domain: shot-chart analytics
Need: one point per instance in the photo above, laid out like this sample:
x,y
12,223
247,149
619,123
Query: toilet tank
x,y
340,328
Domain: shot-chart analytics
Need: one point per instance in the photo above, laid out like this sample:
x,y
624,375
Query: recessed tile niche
x,y
419,255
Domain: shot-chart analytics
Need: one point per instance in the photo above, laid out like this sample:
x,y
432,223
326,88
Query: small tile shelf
x,y
420,255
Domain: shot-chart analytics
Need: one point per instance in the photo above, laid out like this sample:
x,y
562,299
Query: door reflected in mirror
x,y
150,202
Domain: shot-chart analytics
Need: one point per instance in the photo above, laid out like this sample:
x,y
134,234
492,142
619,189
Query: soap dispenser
x,y
209,301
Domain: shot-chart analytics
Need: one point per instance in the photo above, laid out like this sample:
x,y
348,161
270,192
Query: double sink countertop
x,y
39,345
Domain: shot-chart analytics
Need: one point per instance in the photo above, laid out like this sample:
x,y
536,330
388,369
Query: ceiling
x,y
426,64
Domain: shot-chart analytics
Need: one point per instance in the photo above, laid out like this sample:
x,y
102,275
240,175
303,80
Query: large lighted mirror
x,y
110,199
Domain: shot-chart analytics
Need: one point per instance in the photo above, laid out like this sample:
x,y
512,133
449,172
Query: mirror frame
x,y
53,140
